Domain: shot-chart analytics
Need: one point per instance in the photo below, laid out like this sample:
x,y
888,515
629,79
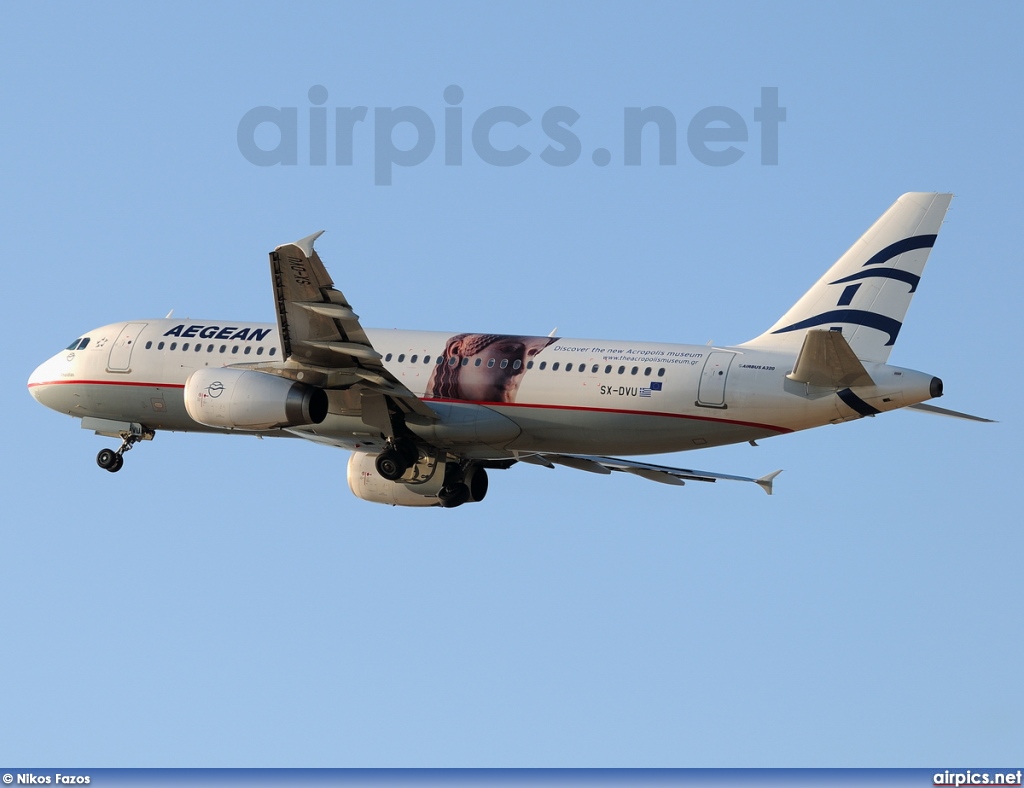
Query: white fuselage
x,y
565,395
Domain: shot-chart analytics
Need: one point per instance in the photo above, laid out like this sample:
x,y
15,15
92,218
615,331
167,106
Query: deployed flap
x,y
826,359
656,473
321,332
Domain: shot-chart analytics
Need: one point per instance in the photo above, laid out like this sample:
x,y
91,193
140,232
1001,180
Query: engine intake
x,y
243,399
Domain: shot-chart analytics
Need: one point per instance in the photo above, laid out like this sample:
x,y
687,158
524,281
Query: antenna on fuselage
x,y
169,314
553,331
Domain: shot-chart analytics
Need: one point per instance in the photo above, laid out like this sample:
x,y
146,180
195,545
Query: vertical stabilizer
x,y
865,295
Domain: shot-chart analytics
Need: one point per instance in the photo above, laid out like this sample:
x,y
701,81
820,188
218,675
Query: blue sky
x,y
227,602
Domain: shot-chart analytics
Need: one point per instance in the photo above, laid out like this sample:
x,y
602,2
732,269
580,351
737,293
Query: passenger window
x,y
478,362
440,360
647,372
594,369
583,367
185,346
387,357
198,347
529,365
634,370
160,346
621,370
465,362
452,361
608,370
543,364
426,359
413,359
248,349
517,364
259,351
174,346
661,372
234,350
209,348
490,362
554,367
273,351
504,363
568,367
401,357
223,348
148,346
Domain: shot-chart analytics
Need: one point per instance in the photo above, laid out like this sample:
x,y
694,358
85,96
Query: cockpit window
x,y
83,343
74,345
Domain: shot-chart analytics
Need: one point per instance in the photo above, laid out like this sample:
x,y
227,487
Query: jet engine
x,y
243,399
365,482
432,481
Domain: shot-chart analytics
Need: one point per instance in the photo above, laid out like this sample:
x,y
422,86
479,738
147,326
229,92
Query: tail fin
x,y
865,295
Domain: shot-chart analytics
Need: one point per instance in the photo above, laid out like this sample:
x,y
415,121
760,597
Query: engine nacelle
x,y
243,399
366,483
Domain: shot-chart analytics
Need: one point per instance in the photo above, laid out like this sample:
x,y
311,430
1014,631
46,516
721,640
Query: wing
x,y
323,341
656,473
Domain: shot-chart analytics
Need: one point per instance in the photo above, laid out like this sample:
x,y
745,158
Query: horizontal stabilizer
x,y
826,359
952,413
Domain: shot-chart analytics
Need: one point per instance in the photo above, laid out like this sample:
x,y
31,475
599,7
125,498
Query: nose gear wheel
x,y
113,461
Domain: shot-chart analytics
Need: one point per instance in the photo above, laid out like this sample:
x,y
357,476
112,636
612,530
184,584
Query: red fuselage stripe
x,y
108,383
577,408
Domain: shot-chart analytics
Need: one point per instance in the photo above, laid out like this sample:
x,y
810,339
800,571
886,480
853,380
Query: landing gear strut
x,y
113,461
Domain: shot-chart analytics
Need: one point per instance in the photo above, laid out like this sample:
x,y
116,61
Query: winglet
x,y
305,244
765,482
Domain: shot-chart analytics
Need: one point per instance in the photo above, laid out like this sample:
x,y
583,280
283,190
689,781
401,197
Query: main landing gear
x,y
463,485
113,461
398,457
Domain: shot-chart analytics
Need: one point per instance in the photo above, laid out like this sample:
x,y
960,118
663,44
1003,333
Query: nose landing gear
x,y
113,461
109,460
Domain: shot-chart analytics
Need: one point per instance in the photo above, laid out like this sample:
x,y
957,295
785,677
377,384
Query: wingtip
x,y
765,482
305,244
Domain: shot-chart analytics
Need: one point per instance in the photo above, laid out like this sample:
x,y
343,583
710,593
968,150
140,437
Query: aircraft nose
x,y
37,377
40,385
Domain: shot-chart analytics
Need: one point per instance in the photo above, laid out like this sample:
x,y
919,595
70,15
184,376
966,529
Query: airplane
x,y
426,414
